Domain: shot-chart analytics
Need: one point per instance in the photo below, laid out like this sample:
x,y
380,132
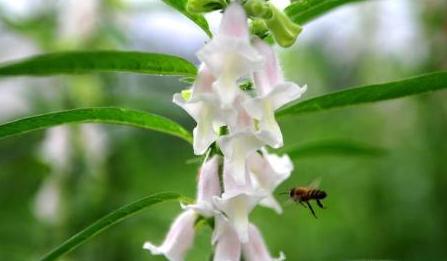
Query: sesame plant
x,y
237,98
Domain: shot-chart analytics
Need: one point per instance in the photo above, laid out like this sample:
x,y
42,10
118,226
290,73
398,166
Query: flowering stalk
x,y
242,174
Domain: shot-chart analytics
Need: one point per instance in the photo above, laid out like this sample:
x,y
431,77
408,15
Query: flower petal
x,y
229,55
208,187
271,73
179,238
202,110
234,22
236,148
255,249
227,244
237,208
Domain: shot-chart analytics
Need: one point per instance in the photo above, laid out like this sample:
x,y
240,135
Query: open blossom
x,y
229,55
226,241
207,188
202,107
233,129
269,171
237,201
179,239
273,92
255,249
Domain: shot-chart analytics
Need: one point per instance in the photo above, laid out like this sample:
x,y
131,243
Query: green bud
x,y
204,6
186,94
283,30
259,28
258,8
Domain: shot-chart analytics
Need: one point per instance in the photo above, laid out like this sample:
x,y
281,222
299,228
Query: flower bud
x,y
258,8
284,31
259,28
204,6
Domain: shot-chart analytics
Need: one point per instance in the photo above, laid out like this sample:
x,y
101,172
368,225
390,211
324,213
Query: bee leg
x,y
302,204
320,204
311,209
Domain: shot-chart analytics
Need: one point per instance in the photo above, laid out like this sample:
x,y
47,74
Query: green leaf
x,y
180,5
99,61
106,222
333,147
304,11
109,115
369,93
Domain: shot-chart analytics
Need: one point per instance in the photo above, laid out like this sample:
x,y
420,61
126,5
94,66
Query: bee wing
x,y
315,184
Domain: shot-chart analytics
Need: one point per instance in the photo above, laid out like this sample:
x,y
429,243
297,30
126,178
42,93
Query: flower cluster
x,y
234,126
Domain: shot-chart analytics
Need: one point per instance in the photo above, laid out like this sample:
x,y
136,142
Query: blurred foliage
x,y
388,207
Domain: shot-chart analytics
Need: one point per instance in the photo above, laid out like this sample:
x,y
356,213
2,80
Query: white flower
x,y
226,241
255,249
203,108
236,148
208,187
269,170
273,92
237,202
179,239
229,55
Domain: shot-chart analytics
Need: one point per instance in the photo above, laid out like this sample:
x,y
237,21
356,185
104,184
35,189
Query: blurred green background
x,y
54,183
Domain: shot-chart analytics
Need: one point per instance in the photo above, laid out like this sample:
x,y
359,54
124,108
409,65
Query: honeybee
x,y
303,195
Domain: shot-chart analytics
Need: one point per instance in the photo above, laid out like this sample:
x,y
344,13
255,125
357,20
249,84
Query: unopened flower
x,y
229,55
269,170
226,241
273,93
208,187
255,249
283,30
179,239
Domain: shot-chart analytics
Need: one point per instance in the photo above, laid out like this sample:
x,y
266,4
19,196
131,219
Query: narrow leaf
x,y
304,11
99,61
106,222
109,115
333,147
370,93
180,5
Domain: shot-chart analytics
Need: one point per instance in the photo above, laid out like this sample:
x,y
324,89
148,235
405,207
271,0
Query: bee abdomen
x,y
317,194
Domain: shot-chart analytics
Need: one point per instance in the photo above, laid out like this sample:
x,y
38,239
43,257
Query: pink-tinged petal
x,y
203,83
208,187
227,244
268,172
271,73
229,55
255,249
234,22
179,239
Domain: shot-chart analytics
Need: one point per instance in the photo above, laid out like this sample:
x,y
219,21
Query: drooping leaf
x,y
369,93
304,11
107,221
79,62
108,115
180,5
331,148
